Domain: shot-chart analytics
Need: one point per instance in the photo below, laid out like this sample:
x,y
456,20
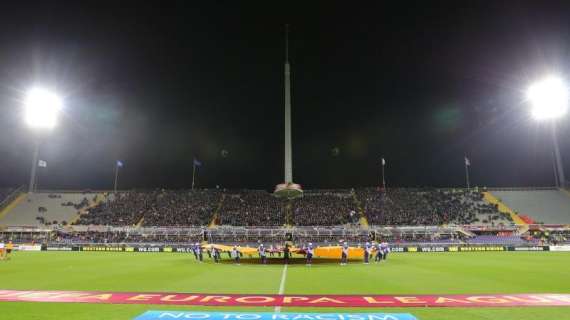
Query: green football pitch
x,y
404,273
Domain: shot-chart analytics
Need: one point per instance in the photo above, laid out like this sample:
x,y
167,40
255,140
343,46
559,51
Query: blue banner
x,y
167,315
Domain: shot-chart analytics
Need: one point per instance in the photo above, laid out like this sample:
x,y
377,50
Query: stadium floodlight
x,y
42,108
549,98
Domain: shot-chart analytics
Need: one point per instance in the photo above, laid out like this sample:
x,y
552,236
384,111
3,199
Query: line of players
x,y
216,254
379,251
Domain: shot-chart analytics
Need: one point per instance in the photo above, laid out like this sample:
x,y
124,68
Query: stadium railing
x,y
13,195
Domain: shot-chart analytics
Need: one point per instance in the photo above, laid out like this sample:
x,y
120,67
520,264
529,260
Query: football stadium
x,y
196,212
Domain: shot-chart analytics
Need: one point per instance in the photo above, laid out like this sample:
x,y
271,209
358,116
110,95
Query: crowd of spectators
x,y
260,208
425,207
122,237
78,206
154,208
252,208
324,208
274,240
314,208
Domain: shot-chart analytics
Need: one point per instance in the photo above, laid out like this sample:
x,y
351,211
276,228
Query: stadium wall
x,y
399,249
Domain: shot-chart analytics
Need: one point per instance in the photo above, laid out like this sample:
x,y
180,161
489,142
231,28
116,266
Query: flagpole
x,y
467,174
193,173
32,184
383,178
36,182
116,176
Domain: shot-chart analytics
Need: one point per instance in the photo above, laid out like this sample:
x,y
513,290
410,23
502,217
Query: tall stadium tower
x,y
288,188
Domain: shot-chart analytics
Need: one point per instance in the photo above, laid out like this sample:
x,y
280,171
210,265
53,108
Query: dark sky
x,y
154,85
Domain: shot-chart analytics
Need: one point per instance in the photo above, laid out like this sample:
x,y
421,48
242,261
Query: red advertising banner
x,y
374,301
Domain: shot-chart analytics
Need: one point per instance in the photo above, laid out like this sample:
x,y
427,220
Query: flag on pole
x,y
197,163
383,162
119,163
467,162
42,163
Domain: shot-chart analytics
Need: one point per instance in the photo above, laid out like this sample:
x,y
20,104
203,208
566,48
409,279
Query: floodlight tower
x,y
41,110
288,146
549,100
288,188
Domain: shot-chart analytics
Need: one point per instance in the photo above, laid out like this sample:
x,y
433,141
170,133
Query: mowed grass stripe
x,y
140,272
439,273
421,273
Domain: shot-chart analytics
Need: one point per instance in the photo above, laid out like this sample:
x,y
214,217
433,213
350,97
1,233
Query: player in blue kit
x,y
367,251
385,249
310,252
379,253
262,254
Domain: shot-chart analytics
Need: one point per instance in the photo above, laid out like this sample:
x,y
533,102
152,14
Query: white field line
x,y
282,285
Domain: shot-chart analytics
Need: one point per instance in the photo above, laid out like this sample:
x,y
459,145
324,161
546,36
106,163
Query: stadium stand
x,y
154,208
430,236
324,207
550,206
251,208
428,207
490,198
495,239
175,208
38,209
5,193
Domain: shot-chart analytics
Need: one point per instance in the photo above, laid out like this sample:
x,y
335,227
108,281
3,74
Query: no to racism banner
x,y
367,301
162,315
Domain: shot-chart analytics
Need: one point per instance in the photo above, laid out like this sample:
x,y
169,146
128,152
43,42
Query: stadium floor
x,y
405,273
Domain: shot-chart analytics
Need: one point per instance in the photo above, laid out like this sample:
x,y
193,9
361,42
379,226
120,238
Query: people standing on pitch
x,y
199,250
235,254
344,254
9,248
367,250
385,249
379,254
271,250
286,254
262,254
194,249
310,252
2,250
215,253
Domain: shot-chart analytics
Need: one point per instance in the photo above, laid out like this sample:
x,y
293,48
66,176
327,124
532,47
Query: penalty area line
x,y
282,285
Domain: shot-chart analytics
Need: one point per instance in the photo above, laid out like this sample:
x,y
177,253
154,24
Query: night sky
x,y
420,83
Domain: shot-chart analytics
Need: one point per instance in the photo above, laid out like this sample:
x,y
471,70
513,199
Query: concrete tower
x,y
288,188
288,146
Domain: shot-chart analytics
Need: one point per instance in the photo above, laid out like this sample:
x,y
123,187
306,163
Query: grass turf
x,y
407,273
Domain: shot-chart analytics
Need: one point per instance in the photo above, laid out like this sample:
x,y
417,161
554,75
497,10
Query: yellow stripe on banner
x,y
12,205
503,207
335,252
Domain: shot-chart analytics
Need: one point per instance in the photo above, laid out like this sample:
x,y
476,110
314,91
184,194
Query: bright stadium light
x,y
549,98
42,108
549,101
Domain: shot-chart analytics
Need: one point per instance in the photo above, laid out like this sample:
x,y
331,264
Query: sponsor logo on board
x,y
559,248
